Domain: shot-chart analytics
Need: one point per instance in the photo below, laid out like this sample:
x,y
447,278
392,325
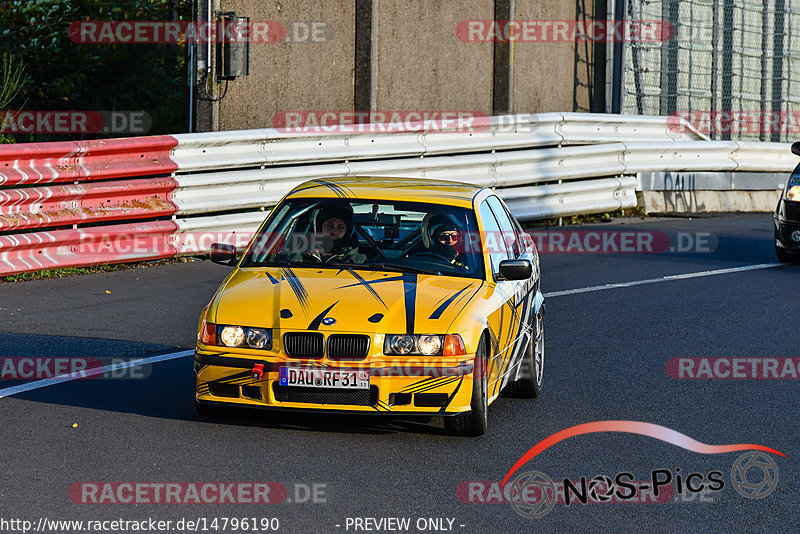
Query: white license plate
x,y
324,378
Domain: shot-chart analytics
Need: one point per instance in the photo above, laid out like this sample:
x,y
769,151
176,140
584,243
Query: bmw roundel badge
x,y
328,321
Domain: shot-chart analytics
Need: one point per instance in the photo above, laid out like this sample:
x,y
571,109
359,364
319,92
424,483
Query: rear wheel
x,y
474,422
529,384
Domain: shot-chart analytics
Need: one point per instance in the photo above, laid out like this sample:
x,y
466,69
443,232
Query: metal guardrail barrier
x,y
80,161
93,202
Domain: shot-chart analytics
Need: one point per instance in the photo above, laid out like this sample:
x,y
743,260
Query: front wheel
x,y
474,422
529,384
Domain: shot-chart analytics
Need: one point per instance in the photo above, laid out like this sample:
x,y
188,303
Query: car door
x,y
519,304
500,319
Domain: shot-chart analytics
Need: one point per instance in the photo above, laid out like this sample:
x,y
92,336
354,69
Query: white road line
x,y
669,278
29,386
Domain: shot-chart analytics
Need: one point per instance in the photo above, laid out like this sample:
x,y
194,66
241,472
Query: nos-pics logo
x,y
533,494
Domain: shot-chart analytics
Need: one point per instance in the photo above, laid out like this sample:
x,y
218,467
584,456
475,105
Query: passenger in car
x,y
335,242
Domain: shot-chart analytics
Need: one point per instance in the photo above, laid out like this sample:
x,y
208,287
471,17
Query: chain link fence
x,y
731,67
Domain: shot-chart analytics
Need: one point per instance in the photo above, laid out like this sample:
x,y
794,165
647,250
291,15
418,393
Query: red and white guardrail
x,y
79,203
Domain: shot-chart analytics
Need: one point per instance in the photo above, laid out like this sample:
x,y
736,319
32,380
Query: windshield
x,y
365,234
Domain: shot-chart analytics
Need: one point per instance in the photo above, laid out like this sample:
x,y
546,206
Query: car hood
x,y
358,301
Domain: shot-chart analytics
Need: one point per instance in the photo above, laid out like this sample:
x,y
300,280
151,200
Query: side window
x,y
523,238
491,238
509,235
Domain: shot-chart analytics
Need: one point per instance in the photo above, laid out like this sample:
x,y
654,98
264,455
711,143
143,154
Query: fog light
x,y
796,236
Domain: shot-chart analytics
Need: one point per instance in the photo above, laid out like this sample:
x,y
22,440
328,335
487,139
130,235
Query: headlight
x,y
232,336
429,345
258,338
424,344
238,336
400,345
793,188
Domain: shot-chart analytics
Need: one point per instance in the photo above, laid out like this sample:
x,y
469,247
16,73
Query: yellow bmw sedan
x,y
377,295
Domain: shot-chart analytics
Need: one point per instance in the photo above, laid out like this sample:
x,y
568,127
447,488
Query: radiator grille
x,y
304,344
348,346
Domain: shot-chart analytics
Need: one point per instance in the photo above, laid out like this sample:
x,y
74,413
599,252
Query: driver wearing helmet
x,y
447,240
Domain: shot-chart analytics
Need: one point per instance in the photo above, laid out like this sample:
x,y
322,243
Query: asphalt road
x,y
607,353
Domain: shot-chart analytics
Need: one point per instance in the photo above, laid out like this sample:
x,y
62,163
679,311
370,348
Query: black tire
x,y
474,422
786,257
529,384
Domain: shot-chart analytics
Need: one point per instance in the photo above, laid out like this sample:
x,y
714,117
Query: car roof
x,y
388,188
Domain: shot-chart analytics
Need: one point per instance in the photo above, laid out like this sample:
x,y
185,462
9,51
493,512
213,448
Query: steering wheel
x,y
312,258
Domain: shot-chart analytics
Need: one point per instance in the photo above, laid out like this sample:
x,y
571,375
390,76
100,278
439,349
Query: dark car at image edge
x,y
787,217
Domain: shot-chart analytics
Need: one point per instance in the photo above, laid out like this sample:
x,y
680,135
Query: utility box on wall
x,y
233,46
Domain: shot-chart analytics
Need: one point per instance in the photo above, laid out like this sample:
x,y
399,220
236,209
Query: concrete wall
x,y
420,63
292,76
688,202
414,61
545,73
708,192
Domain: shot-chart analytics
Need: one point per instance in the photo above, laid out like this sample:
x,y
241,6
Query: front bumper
x,y
400,386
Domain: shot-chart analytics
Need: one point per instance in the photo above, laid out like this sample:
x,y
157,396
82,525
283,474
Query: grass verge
x,y
586,219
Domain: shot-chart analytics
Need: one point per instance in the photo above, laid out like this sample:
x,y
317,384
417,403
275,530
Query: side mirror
x,y
223,254
796,148
515,270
